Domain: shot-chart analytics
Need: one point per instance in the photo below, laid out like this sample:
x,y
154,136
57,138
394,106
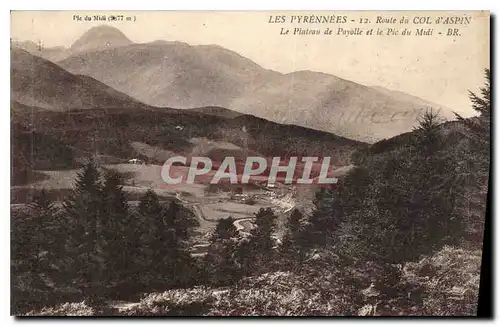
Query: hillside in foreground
x,y
314,290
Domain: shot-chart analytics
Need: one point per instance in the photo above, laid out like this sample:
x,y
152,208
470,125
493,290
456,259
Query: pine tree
x,y
262,234
163,249
292,247
403,203
220,264
482,103
480,129
42,219
225,229
408,208
36,242
434,190
150,204
475,171
115,224
180,219
326,218
153,244
257,254
83,209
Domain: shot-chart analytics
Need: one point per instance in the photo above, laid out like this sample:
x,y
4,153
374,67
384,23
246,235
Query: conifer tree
x,y
434,190
83,209
257,253
293,243
180,219
482,103
326,218
225,229
480,130
408,206
153,245
164,251
115,224
220,264
262,234
36,245
475,172
42,223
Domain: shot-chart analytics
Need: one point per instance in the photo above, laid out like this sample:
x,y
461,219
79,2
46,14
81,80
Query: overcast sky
x,y
437,68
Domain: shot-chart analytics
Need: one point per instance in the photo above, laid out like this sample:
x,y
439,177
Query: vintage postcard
x,y
284,163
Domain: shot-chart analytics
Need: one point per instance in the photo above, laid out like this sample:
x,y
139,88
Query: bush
x,y
66,309
449,280
305,293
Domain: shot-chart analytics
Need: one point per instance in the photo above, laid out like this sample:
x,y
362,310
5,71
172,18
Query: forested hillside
x,y
400,235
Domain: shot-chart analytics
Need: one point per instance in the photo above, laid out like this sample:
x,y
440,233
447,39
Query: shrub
x,y
65,309
449,280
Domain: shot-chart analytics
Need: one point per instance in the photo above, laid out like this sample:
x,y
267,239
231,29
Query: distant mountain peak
x,y
100,38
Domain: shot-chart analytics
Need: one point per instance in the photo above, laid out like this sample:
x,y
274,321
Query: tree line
x,y
96,244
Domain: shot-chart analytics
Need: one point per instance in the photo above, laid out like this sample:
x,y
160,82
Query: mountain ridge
x,y
176,74
37,82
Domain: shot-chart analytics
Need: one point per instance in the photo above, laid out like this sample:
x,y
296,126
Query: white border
x,y
260,5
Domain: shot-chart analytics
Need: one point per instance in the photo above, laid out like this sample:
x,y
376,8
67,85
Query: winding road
x,y
199,213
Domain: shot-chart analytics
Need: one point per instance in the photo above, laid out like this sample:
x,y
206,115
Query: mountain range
x,y
59,119
176,74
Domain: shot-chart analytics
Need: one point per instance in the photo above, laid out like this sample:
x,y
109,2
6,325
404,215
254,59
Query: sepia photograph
x,y
248,163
